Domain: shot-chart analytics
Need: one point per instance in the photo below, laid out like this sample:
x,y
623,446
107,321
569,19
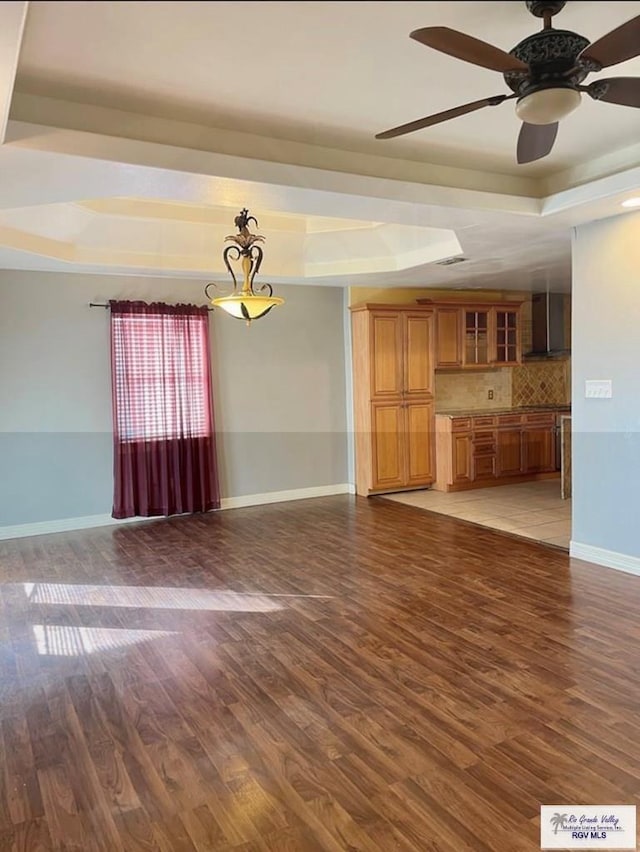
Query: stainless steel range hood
x,y
548,326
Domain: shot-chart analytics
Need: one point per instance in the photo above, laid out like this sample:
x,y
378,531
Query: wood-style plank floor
x,y
333,674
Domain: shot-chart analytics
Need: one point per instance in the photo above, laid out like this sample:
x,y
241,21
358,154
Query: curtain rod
x,y
107,305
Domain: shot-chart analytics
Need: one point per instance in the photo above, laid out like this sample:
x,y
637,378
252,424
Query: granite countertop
x,y
486,412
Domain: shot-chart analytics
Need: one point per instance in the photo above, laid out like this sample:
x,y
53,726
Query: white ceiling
x,y
273,105
329,73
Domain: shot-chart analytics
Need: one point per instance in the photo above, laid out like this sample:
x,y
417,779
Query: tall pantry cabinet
x,y
393,386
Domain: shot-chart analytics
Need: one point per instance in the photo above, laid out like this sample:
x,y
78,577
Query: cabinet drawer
x,y
460,424
484,467
483,450
488,437
509,419
479,422
541,418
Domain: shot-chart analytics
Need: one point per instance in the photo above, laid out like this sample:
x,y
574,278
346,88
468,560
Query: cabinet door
x,y
387,355
388,439
538,450
509,452
419,443
507,341
449,337
477,348
418,354
484,467
461,447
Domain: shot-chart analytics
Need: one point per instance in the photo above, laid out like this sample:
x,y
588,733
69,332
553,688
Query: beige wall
x,y
404,295
279,392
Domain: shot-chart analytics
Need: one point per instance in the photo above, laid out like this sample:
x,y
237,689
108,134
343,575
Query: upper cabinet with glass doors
x,y
507,328
473,336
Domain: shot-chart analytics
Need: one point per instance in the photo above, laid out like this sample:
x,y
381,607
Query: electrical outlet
x,y
490,394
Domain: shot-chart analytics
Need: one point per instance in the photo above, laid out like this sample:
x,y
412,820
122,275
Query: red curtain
x,y
164,435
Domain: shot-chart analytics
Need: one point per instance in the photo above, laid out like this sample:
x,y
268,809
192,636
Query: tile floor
x,y
530,509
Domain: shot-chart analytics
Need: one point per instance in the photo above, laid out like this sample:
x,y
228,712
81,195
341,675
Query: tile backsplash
x,y
533,383
469,390
542,383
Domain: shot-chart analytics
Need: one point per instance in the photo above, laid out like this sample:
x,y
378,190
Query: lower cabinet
x,y
480,450
402,434
387,429
419,443
539,453
509,452
462,454
484,451
484,467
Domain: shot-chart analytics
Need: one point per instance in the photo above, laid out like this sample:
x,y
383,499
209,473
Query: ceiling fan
x,y
544,71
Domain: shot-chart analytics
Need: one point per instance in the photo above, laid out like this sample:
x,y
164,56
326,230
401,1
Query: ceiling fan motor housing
x,y
552,57
540,8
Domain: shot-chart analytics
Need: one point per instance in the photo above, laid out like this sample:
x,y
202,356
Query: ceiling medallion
x,y
245,303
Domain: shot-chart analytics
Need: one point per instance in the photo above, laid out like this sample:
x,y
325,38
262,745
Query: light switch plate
x,y
598,389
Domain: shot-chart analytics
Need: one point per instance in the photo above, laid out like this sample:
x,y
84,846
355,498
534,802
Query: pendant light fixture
x,y
245,303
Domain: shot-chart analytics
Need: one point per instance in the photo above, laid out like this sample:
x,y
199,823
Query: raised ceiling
x,y
133,123
139,236
328,73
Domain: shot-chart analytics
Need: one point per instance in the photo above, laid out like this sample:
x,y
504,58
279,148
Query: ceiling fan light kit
x,y
545,72
545,106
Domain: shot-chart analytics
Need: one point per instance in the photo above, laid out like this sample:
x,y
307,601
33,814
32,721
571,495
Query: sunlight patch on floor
x,y
58,640
150,597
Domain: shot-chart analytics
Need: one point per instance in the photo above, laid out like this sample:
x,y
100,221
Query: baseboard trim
x,y
285,496
608,558
65,525
89,521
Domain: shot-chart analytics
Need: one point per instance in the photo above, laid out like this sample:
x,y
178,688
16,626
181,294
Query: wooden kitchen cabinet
x,y
508,349
419,443
538,442
476,451
509,451
402,445
393,376
448,337
386,361
401,352
472,336
387,444
417,355
538,445
462,455
477,343
484,449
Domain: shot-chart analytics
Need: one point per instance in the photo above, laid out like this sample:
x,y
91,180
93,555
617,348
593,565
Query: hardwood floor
x,y
333,674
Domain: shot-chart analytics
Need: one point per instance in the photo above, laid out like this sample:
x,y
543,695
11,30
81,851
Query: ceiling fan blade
x,y
468,48
617,46
617,90
535,141
442,116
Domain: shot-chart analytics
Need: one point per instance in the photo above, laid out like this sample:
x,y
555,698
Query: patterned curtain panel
x,y
163,426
